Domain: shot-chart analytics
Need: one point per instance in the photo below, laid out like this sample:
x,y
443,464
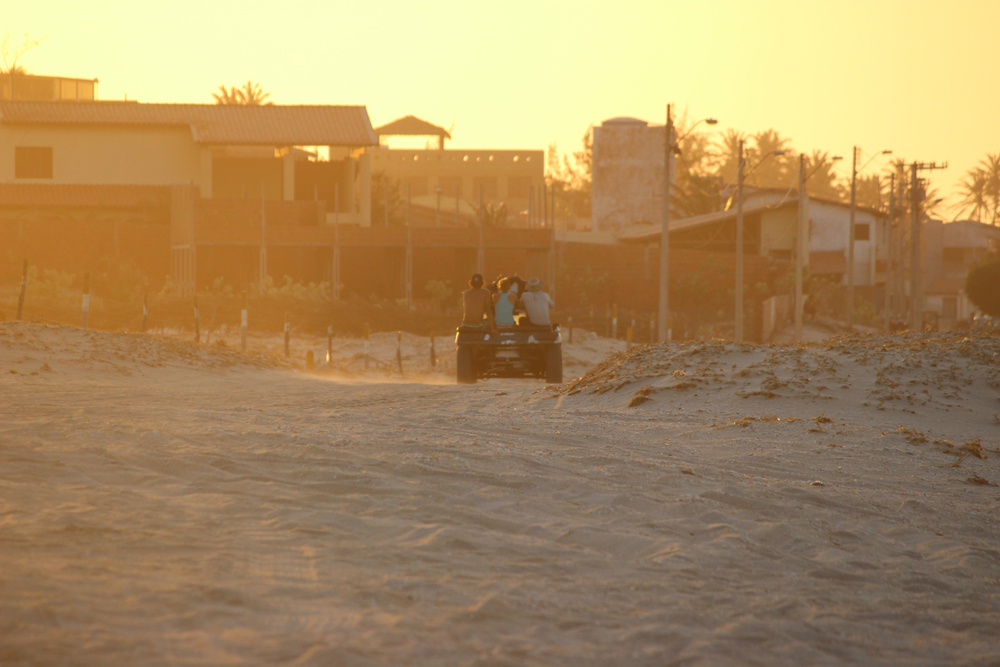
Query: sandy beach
x,y
688,504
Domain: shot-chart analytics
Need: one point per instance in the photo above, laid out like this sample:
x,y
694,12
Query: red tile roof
x,y
109,196
211,123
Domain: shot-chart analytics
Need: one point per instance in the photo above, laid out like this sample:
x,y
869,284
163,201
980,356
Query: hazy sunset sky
x,y
915,76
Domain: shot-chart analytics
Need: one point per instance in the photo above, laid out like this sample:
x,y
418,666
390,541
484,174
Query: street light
x,y
850,233
801,236
739,236
670,148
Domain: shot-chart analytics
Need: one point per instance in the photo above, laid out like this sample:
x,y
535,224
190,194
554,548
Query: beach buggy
x,y
519,352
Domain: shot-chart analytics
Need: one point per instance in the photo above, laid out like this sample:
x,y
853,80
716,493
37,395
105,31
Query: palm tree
x,y
980,189
822,181
250,94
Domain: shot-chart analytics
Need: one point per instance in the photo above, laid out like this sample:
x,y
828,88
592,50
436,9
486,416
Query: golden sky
x,y
916,76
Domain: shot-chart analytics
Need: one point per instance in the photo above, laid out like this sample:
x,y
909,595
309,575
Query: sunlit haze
x,y
911,76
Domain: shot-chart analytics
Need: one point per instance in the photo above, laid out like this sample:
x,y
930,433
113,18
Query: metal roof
x,y
268,125
652,232
413,127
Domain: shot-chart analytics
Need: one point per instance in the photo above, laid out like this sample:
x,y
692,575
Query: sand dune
x,y
167,504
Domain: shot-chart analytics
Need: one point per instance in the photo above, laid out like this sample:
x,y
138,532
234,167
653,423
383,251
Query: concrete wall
x,y
106,155
504,175
830,225
627,174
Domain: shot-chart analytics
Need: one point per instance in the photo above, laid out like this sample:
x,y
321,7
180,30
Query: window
x,y
518,187
32,162
487,185
953,255
451,186
417,185
861,232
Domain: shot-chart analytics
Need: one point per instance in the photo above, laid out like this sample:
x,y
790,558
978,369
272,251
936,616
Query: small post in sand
x,y
310,360
197,322
145,311
607,321
399,351
614,321
86,298
287,335
24,286
570,324
633,321
652,328
433,355
366,346
628,338
329,344
243,325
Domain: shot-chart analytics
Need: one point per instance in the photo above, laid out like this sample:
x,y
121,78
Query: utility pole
x,y
916,268
916,271
663,318
889,256
801,245
850,240
739,247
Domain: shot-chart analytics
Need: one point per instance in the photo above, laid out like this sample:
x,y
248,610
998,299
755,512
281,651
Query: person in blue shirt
x,y
503,304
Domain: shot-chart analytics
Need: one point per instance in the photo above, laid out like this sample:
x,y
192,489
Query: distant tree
x,y
980,189
982,285
387,191
492,215
11,56
822,181
771,171
696,186
250,94
570,180
872,191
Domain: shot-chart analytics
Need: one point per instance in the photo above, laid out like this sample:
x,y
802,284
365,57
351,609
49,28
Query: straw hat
x,y
534,285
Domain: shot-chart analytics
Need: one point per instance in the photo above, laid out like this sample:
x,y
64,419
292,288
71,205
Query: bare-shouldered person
x,y
476,310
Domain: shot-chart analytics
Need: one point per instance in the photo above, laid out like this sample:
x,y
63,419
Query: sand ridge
x,y
200,514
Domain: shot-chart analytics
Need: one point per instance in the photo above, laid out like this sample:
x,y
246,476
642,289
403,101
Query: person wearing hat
x,y
537,303
476,306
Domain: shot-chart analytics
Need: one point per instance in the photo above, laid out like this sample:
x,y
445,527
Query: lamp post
x,y
802,237
669,149
739,235
850,232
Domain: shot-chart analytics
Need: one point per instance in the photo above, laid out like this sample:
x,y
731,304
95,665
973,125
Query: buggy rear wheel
x,y
465,372
553,364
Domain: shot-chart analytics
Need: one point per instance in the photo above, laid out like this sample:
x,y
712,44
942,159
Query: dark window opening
x,y
953,255
32,162
861,232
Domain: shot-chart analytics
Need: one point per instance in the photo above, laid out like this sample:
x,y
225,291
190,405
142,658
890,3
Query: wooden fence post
x,y
366,346
570,330
145,311
399,351
310,360
86,298
628,338
433,355
329,344
197,322
24,287
287,335
243,325
614,321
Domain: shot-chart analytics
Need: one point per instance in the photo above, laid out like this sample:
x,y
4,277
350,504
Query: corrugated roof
x,y
270,125
650,234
